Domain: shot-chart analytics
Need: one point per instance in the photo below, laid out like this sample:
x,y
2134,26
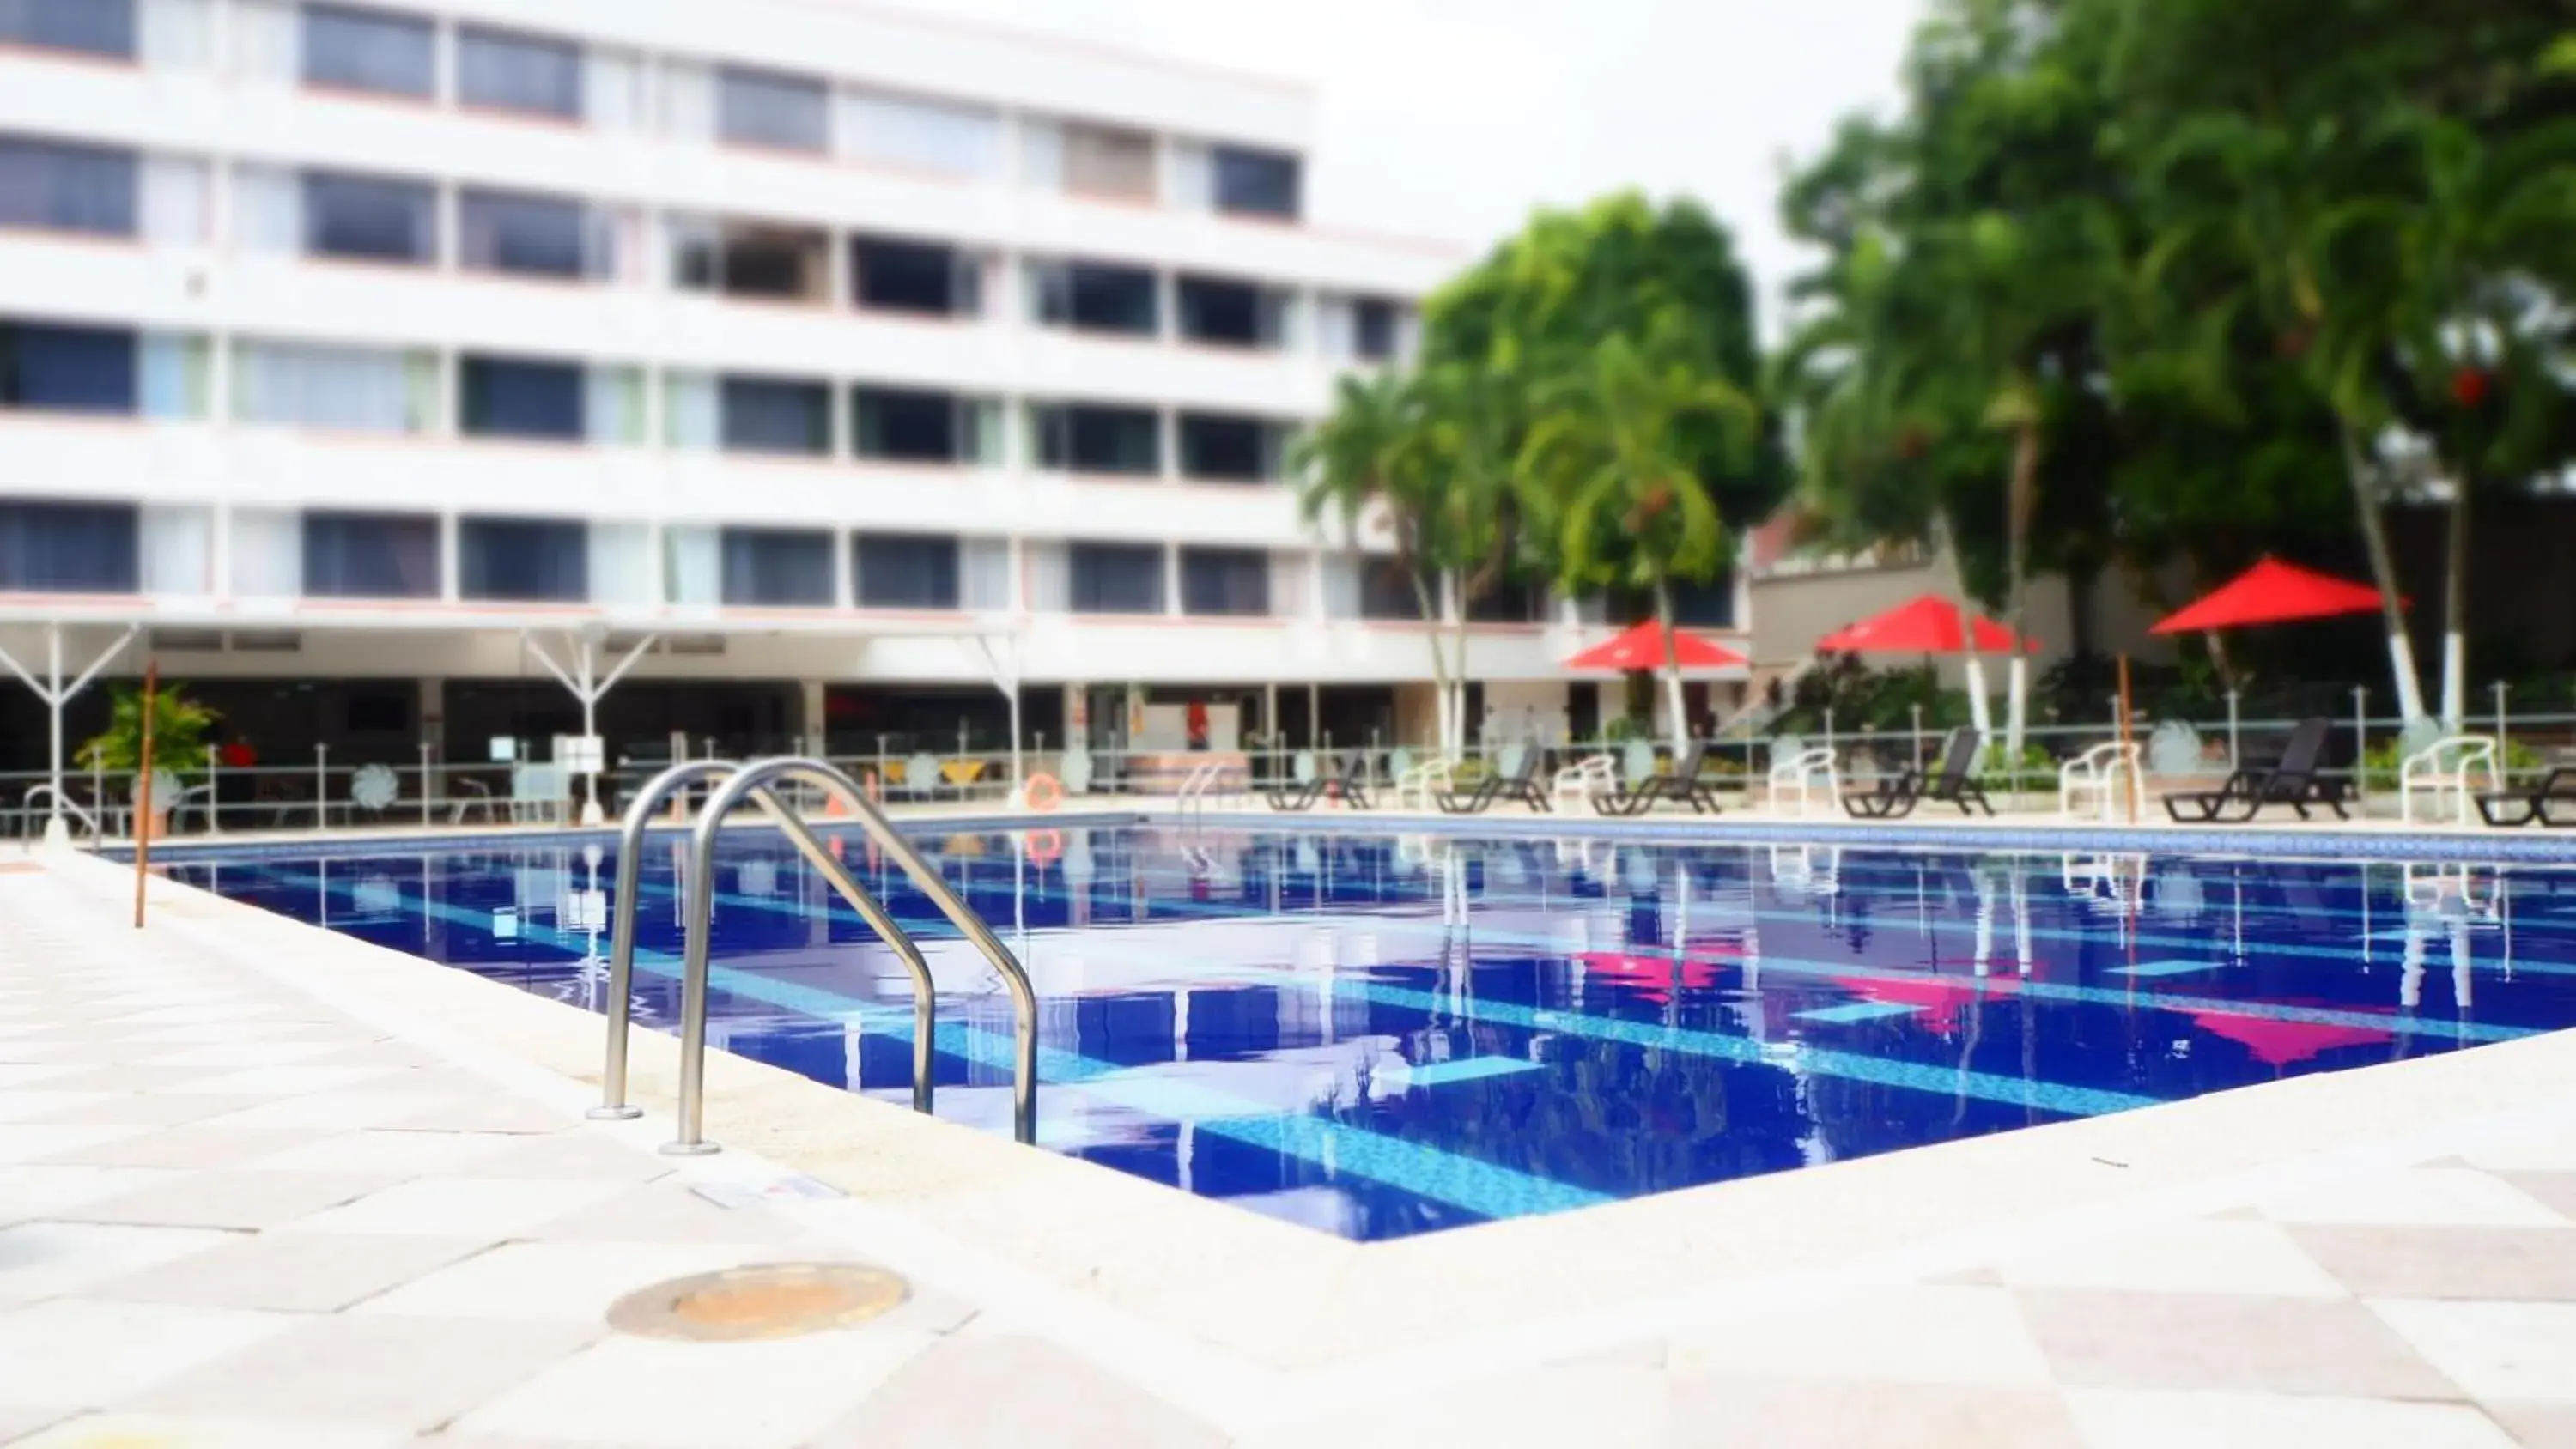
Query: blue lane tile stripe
x,y
1856,1011
2165,968
1464,1069
1479,1187
1944,1081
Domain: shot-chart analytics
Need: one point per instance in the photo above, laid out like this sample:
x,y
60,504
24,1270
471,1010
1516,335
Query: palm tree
x,y
1607,468
1382,453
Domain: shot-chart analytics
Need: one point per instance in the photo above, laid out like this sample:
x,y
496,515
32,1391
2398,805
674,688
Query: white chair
x,y
1586,779
2443,767
1798,777
1415,787
2095,776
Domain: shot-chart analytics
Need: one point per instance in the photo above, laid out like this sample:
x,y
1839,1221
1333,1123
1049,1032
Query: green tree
x,y
1609,470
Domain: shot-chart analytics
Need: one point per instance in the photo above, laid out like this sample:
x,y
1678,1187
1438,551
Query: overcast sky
x,y
1452,118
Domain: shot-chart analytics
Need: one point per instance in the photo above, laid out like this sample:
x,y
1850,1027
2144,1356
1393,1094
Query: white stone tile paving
x,y
378,1237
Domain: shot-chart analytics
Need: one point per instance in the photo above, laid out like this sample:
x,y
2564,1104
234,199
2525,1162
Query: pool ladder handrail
x,y
1200,783
748,783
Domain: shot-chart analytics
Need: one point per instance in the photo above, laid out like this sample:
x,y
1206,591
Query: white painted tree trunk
x,y
1981,712
2016,704
1680,716
2455,682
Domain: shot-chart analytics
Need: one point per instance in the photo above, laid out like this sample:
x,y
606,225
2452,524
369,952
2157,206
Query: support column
x,y
1315,719
811,692
55,693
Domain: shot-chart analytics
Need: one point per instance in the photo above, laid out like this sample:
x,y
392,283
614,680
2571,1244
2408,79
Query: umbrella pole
x,y
2129,800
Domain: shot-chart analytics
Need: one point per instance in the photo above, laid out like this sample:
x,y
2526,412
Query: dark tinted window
x,y
370,556
747,259
907,571
898,276
1259,183
770,415
66,188
509,398
370,218
67,369
1084,439
369,50
1232,581
777,566
903,425
1511,602
68,548
506,71
1117,578
1373,328
1709,606
539,236
1386,592
1226,313
526,560
766,108
1224,449
1094,298
98,27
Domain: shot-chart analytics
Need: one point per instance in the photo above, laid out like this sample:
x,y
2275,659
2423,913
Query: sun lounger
x,y
1521,784
1351,783
1952,782
2291,781
1681,785
2522,807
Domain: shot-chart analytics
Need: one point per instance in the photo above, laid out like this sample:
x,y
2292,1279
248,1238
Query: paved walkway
x,y
233,1214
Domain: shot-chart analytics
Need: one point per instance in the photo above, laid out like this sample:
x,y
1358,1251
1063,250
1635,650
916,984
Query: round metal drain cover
x,y
769,1300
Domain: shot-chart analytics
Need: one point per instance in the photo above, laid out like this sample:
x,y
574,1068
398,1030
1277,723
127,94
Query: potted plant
x,y
179,729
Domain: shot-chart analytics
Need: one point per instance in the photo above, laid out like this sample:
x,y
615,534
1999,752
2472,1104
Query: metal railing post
x,y
321,787
2235,761
428,784
214,789
2361,747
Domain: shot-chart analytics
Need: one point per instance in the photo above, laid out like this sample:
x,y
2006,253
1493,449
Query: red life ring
x,y
1043,792
1045,847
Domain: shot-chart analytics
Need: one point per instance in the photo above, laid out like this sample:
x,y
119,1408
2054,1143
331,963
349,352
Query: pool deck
x,y
263,1185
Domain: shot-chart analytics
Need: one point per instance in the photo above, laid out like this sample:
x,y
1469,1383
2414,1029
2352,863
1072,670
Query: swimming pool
x,y
1380,1035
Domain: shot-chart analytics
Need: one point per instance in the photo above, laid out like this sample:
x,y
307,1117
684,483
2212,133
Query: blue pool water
x,y
1379,1036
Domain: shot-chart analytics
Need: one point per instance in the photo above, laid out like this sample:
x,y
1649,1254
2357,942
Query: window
x,y
1514,601
777,567
69,548
921,135
1255,183
904,425
925,277
523,560
1109,162
748,259
1078,438
1221,449
1373,329
1707,606
67,369
1117,578
1225,581
369,218
528,236
1093,298
370,556
766,108
776,415
55,187
369,50
906,571
1225,313
503,70
516,398
96,27
1386,591
346,389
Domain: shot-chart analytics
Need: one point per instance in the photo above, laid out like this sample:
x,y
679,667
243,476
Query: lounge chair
x,y
1681,785
1352,782
2292,780
1521,784
2522,807
1953,781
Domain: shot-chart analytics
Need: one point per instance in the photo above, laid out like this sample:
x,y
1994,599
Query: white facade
x,y
626,298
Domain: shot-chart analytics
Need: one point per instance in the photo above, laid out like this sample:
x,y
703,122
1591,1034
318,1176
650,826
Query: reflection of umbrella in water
x,y
1937,998
2280,1043
1651,977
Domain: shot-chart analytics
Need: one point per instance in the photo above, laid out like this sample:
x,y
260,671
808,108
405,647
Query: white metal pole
x,y
56,832
321,787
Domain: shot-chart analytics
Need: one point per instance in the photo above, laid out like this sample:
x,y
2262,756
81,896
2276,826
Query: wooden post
x,y
143,789
2137,775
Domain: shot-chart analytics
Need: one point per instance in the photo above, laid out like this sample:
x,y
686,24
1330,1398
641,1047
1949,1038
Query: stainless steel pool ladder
x,y
752,782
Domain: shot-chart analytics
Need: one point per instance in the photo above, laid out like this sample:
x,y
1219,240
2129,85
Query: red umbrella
x,y
2273,592
1650,976
1642,648
1936,999
1928,625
